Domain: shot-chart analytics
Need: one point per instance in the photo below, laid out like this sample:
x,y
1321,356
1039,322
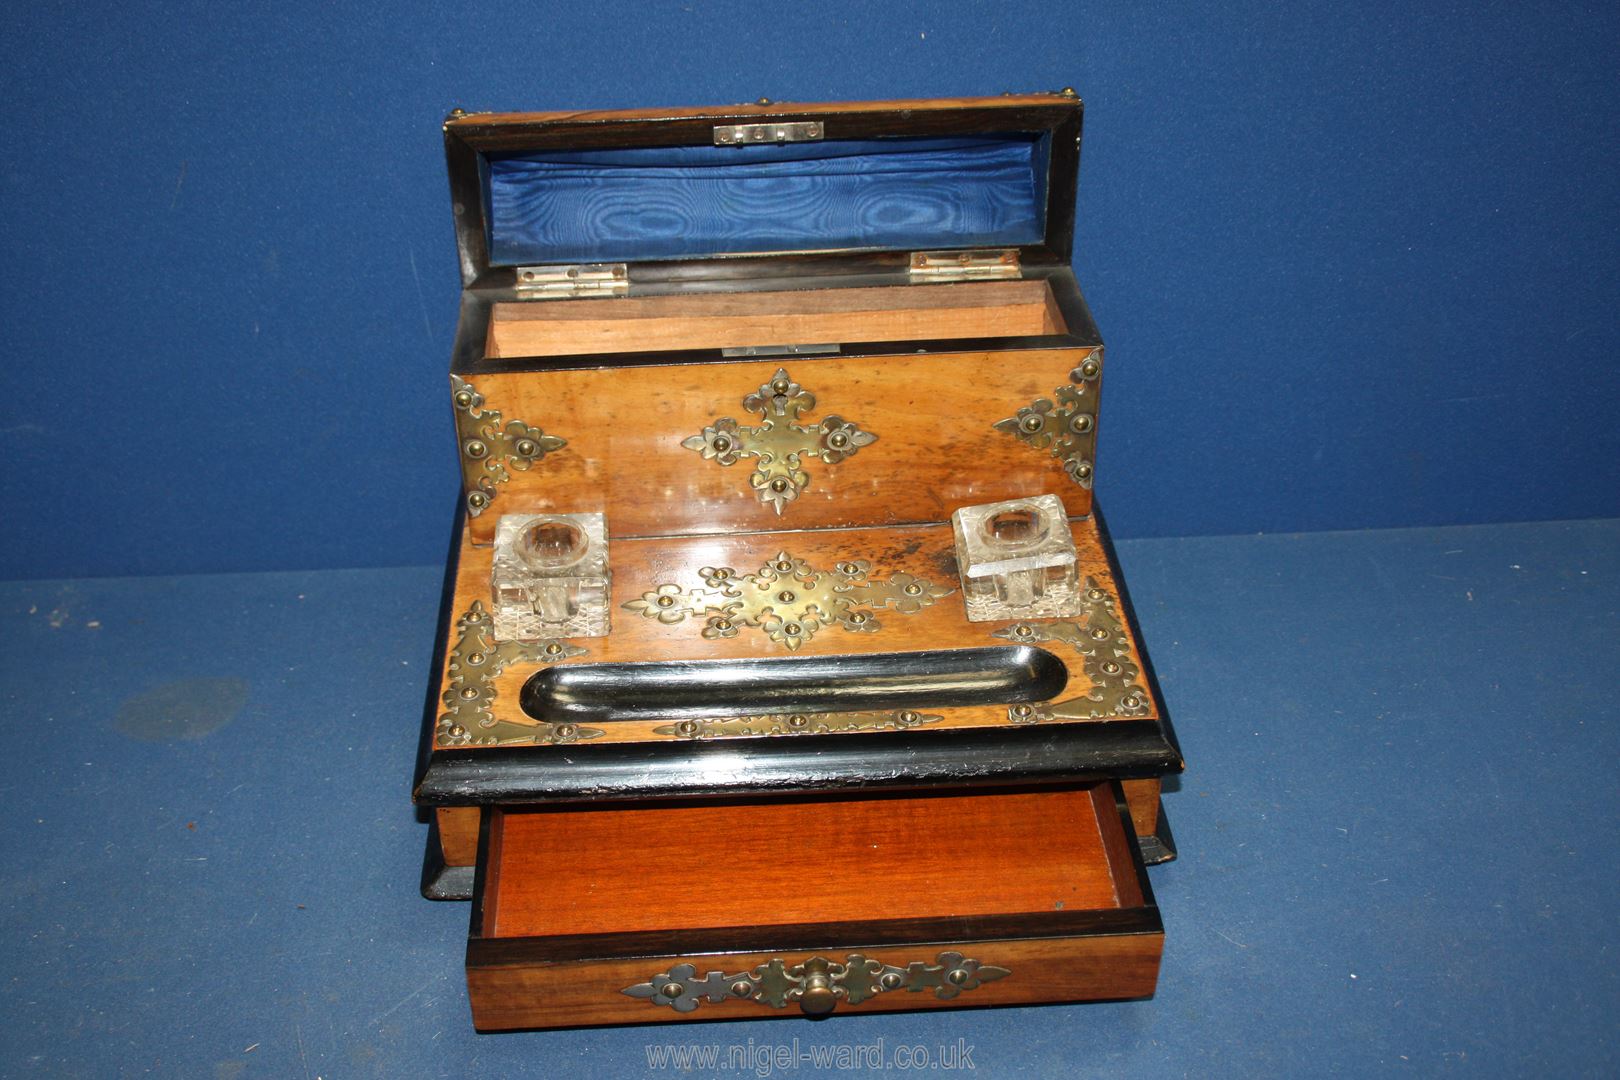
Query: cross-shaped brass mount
x,y
778,442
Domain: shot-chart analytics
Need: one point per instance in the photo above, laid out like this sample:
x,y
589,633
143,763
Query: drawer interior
x,y
706,866
797,317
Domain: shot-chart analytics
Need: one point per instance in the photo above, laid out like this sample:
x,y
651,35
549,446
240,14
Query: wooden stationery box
x,y
766,352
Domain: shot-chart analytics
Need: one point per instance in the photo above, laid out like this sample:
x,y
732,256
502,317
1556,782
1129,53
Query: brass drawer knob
x,y
818,998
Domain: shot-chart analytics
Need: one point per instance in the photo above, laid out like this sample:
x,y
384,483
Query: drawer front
x,y
687,449
881,978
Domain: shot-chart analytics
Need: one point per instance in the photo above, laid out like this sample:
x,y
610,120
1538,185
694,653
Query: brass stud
x,y
1130,701
525,448
464,399
1032,423
890,980
859,618
721,443
469,692
1024,630
838,440
565,731
476,449
792,629
786,597
666,601
784,566
457,731
797,720
1022,711
686,727
477,500
779,484
909,717
1081,423
1110,667
1095,594
475,658
554,649
956,976
780,386
1089,369
913,589
742,988
1083,470
672,989
722,624
1099,633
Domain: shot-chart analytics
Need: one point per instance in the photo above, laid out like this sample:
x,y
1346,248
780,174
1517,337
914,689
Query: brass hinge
x,y
568,282
927,266
758,134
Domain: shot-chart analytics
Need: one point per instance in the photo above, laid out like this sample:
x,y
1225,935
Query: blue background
x,y
1355,263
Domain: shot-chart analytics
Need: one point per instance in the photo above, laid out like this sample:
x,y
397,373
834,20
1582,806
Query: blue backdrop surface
x,y
1354,262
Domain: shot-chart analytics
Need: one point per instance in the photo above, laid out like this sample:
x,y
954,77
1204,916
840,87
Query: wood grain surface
x,y
728,320
849,859
751,109
933,414
1042,970
639,566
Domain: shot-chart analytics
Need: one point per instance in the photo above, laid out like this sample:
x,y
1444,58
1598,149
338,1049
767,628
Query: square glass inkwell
x,y
551,576
1017,560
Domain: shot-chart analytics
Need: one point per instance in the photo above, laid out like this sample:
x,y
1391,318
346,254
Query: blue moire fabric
x,y
629,205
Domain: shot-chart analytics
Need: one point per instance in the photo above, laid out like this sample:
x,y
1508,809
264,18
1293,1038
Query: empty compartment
x,y
839,316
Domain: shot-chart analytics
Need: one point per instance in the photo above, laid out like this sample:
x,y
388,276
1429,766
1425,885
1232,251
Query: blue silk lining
x,y
629,205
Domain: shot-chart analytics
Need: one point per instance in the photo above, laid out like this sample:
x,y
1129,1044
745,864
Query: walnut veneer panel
x,y
639,566
933,414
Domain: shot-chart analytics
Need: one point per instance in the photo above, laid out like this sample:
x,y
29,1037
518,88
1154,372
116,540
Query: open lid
x,y
833,183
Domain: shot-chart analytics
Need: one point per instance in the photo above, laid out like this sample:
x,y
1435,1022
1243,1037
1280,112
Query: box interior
x,y
797,317
642,203
708,865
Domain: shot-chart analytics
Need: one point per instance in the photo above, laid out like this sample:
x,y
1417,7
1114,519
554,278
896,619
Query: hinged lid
x,y
846,186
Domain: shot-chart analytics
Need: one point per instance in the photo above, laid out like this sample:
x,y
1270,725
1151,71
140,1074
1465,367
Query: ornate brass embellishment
x,y
797,724
1101,639
1069,427
487,448
788,599
778,442
470,689
818,984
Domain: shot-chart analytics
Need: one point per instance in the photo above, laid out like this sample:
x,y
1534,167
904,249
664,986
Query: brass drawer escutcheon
x,y
818,984
469,689
487,448
788,599
778,442
1067,428
1101,639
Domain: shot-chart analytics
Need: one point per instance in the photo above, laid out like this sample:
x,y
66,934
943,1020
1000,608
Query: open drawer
x,y
732,910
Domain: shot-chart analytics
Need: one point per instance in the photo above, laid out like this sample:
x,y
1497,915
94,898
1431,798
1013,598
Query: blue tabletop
x,y
1397,831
